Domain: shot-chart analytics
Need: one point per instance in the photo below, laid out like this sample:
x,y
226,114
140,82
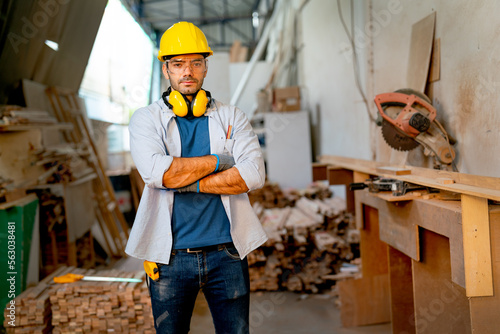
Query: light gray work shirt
x,y
154,141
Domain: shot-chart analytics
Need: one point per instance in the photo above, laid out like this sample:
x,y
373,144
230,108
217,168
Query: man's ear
x,y
165,72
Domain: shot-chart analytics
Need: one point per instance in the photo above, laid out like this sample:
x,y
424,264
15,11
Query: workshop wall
x,y
339,118
466,96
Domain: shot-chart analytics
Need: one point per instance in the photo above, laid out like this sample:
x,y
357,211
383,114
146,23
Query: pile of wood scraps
x,y
4,187
85,306
309,239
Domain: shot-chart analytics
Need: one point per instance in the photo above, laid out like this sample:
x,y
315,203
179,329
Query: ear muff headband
x,y
177,102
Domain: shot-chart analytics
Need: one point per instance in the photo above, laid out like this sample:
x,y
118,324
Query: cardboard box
x,y
286,99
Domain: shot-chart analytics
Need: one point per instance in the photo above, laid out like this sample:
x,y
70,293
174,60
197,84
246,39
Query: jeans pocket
x,y
232,253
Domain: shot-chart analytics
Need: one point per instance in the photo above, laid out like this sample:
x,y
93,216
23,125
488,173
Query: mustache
x,y
188,79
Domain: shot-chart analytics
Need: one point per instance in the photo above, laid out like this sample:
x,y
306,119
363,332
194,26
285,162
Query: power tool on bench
x,y
409,119
377,184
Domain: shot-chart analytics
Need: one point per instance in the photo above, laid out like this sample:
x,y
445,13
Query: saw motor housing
x,y
409,120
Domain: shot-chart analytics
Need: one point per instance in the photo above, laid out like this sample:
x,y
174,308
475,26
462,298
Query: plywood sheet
x,y
373,250
440,305
399,223
435,71
422,38
364,301
401,288
398,229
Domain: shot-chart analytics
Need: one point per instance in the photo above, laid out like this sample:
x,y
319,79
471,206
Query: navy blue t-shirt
x,y
198,219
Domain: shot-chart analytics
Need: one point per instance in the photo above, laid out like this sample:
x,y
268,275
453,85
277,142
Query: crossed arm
x,y
186,171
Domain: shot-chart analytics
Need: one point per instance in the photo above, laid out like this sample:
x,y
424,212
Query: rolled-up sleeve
x,y
247,152
148,148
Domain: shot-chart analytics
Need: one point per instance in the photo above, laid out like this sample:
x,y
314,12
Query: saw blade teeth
x,y
396,139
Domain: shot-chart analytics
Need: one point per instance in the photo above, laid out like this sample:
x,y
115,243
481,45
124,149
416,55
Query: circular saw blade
x,y
396,139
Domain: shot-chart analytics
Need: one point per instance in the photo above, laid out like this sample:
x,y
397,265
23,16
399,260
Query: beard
x,y
191,90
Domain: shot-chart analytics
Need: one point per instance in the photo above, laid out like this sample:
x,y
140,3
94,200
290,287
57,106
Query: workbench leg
x,y
401,288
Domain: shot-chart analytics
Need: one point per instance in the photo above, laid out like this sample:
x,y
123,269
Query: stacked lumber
x,y
309,239
95,307
61,164
33,311
84,306
12,114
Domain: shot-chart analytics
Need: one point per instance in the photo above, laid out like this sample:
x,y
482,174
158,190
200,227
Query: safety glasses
x,y
179,65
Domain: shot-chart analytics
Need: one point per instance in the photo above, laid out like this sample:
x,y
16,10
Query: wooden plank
x,y
373,251
422,38
435,71
319,171
401,292
440,305
484,310
27,127
345,177
393,170
364,301
477,249
475,185
359,177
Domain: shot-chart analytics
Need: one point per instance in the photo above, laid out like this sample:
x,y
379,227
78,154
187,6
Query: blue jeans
x,y
222,277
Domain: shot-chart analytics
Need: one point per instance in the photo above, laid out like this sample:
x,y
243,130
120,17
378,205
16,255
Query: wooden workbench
x,y
429,265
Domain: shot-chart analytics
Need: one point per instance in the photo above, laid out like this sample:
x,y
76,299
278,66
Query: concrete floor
x,y
276,312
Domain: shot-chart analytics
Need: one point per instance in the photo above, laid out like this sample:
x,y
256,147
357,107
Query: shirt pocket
x,y
228,146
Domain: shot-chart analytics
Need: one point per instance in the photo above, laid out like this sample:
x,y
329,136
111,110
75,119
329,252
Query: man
x,y
198,158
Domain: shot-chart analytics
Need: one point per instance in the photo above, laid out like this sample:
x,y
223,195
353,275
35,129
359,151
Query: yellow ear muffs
x,y
179,105
200,102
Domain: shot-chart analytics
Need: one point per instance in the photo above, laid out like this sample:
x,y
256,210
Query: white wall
x,y
339,117
466,97
217,79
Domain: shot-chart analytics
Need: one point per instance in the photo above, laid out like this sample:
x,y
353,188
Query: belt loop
x,y
193,251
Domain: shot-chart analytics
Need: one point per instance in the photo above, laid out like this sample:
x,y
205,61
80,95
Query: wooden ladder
x,y
67,108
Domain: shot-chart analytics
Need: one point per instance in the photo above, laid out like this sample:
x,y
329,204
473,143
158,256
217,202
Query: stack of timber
x,y
85,306
310,237
33,311
12,114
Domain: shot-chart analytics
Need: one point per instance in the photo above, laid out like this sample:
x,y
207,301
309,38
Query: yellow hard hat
x,y
183,38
